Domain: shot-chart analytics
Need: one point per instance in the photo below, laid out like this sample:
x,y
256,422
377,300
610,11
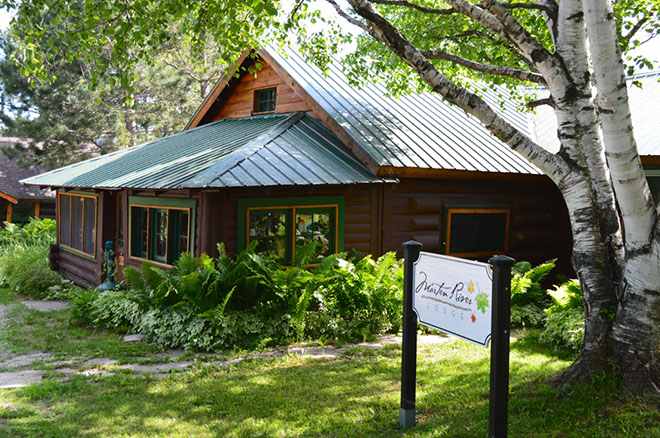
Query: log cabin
x,y
281,154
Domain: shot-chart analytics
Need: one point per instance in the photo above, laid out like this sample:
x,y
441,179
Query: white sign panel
x,y
453,295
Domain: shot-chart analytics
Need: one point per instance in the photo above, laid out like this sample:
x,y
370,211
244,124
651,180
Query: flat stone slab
x,y
133,338
19,379
24,360
159,368
45,306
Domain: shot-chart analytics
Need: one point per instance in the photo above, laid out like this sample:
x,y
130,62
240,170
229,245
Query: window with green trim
x,y
288,231
160,233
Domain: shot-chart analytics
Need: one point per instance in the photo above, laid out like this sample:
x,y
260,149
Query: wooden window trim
x,y
254,100
485,210
161,204
70,249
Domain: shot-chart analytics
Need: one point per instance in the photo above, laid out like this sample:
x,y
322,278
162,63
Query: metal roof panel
x,y
270,150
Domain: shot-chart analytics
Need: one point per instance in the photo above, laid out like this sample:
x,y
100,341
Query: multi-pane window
x,y
283,231
76,224
477,232
265,100
159,234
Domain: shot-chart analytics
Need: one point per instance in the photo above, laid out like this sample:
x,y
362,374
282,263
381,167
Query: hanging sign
x,y
453,295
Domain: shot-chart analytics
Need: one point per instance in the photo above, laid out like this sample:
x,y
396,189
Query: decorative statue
x,y
108,266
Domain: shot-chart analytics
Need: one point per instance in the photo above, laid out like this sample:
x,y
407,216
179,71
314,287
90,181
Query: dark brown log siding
x,y
539,229
377,218
360,213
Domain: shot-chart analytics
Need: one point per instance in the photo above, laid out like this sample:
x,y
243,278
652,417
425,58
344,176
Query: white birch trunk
x,y
580,144
636,329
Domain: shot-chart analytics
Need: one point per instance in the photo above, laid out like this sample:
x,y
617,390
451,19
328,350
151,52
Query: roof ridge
x,y
238,156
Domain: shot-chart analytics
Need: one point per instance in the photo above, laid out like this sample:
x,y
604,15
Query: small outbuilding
x,y
281,154
19,202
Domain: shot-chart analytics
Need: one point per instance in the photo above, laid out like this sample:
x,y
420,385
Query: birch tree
x,y
571,48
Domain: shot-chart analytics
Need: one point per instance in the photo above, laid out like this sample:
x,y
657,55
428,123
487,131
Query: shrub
x,y
528,297
26,270
37,232
251,301
564,326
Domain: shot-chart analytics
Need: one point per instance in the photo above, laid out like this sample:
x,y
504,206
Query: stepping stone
x,y
24,360
19,379
133,338
45,306
159,368
98,362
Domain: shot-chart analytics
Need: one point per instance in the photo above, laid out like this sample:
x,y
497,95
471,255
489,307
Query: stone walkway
x,y
15,370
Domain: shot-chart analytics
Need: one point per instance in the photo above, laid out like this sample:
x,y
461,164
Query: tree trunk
x,y
635,338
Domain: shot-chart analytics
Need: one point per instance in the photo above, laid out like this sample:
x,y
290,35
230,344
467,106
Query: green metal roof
x,y
270,150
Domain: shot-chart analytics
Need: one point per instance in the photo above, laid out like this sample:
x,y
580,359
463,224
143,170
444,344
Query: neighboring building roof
x,y
282,149
417,130
10,175
644,109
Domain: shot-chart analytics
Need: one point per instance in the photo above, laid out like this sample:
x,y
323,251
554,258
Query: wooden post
x,y
10,213
37,209
499,346
411,250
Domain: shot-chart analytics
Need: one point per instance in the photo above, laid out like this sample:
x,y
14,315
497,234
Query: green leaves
x,y
482,302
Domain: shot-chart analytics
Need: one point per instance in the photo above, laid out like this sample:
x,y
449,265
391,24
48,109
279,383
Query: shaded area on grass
x,y
28,330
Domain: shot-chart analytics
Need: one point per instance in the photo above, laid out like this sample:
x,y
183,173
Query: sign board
x,y
453,295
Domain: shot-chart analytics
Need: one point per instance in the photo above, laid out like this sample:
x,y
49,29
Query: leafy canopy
x,y
119,37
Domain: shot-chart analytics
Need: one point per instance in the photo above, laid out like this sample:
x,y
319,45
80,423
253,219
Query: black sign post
x,y
499,346
411,250
499,342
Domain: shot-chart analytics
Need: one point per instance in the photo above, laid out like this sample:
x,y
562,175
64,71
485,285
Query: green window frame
x,y
302,221
160,229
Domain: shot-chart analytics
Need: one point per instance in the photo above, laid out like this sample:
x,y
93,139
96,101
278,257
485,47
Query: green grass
x,y
355,395
6,296
30,330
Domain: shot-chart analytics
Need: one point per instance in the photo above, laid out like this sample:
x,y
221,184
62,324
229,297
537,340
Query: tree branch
x,y
521,75
633,30
421,8
382,30
354,21
541,102
531,6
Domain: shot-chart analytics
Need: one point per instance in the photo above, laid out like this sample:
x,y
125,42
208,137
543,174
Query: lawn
x,y
354,395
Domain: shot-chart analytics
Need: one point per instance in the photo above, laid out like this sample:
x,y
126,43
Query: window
x,y
477,232
286,230
76,224
264,100
653,177
160,229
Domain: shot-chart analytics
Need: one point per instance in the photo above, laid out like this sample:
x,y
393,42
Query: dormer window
x,y
264,100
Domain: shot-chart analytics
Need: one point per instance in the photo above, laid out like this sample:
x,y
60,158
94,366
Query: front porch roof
x,y
269,150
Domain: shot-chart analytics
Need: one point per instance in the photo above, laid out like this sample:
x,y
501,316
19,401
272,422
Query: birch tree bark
x,y
635,338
